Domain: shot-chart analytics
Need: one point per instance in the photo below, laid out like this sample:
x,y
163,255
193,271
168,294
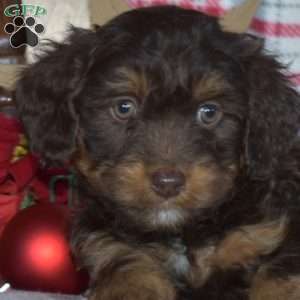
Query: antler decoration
x,y
109,9
239,18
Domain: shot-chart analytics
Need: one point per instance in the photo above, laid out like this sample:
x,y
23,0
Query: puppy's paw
x,y
244,246
265,287
132,286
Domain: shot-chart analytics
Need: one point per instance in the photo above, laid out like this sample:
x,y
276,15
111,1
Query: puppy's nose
x,y
167,182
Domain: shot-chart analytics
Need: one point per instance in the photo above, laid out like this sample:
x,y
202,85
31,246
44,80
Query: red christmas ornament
x,y
34,251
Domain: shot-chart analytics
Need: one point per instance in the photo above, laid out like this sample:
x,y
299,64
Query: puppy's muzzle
x,y
167,183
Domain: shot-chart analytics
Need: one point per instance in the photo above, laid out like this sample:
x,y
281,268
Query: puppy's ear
x,y
45,96
274,112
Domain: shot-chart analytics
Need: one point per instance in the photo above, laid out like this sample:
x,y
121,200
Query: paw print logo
x,y
24,31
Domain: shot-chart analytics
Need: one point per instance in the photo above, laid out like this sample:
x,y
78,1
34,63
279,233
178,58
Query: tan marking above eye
x,y
130,82
209,86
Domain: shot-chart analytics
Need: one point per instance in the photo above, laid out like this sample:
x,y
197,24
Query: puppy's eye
x,y
209,114
124,109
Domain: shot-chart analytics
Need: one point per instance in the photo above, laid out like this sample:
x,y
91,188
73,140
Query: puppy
x,y
184,139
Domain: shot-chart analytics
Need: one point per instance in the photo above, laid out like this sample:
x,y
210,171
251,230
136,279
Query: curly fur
x,y
234,231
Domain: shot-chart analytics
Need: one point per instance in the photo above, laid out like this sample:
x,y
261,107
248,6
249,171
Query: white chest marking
x,y
178,261
180,264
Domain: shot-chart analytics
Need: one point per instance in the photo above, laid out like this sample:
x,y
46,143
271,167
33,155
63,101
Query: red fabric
x,y
9,197
276,29
23,171
9,206
17,178
10,130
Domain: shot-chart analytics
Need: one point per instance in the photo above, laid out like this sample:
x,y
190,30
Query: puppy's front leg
x,y
120,272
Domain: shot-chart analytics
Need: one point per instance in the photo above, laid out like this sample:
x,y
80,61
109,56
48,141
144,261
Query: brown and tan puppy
x,y
185,142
